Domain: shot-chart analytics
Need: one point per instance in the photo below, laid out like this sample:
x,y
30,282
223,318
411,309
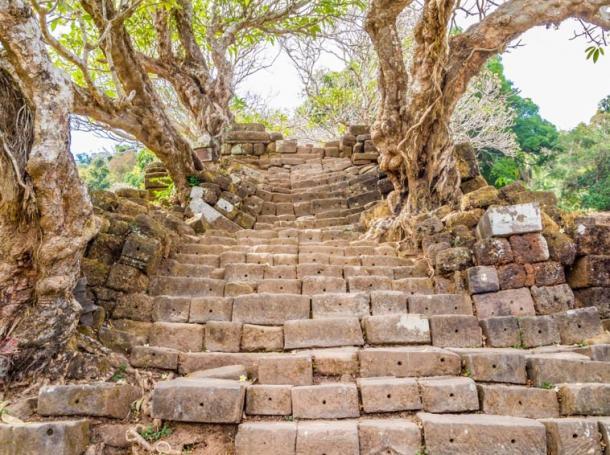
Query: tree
x,y
412,125
96,174
604,105
46,218
124,59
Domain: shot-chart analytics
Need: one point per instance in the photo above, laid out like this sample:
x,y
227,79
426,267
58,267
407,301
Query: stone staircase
x,y
313,341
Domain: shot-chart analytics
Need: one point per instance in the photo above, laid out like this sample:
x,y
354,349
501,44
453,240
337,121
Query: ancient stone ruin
x,y
264,319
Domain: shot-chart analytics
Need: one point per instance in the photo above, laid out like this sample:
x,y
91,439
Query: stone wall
x,y
249,139
135,236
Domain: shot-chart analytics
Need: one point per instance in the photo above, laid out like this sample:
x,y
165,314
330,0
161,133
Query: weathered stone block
x,y
596,297
590,271
396,329
222,336
234,372
310,333
340,305
61,437
565,367
455,331
325,401
389,394
480,198
538,331
203,309
514,302
546,273
408,362
199,400
141,252
592,234
585,399
262,338
274,400
182,337
335,362
552,299
509,220
496,366
513,276
518,401
500,332
270,309
453,259
295,369
170,309
328,437
482,279
571,435
437,304
492,251
389,435
154,357
529,248
125,278
449,394
575,326
102,399
388,302
481,434
269,438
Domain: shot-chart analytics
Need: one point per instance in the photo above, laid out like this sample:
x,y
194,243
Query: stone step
x,y
58,437
199,400
182,286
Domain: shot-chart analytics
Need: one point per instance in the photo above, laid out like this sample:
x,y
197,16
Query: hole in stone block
x,y
50,432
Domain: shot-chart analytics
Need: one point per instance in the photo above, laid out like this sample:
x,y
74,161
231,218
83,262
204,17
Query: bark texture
x,y
46,217
412,125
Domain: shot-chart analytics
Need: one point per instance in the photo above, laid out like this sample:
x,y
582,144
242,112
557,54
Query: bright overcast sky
x,y
549,68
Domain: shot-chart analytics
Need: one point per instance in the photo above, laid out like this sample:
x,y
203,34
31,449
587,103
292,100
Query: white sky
x,y
550,69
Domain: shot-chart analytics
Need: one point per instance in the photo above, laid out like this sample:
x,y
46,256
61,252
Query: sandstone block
x,y
295,369
328,437
538,331
154,357
169,309
449,434
60,437
222,336
513,276
453,259
414,286
597,297
552,299
102,399
572,435
271,400
480,198
445,394
339,305
389,435
311,333
234,372
438,304
585,399
203,309
325,401
408,362
518,401
270,309
503,221
369,283
455,331
397,329
388,394
388,302
262,338
513,302
199,400
269,438
501,332
318,285
565,367
546,273
182,337
496,366
335,361
577,325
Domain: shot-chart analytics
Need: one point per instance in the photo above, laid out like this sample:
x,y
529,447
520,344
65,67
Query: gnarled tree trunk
x,y
46,218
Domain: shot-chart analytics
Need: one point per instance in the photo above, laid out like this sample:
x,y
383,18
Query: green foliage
x,y
547,385
135,177
253,110
96,175
119,374
533,132
581,174
193,180
151,435
604,105
594,53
